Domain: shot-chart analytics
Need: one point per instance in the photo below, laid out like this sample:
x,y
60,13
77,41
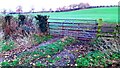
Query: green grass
x,y
108,14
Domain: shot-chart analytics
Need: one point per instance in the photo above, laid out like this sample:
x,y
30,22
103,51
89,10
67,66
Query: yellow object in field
x,y
77,50
48,56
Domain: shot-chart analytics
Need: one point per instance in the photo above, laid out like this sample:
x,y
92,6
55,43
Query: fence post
x,y
118,35
48,28
62,28
100,22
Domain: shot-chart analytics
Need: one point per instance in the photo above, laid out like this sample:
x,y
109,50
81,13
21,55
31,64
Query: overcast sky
x,y
39,4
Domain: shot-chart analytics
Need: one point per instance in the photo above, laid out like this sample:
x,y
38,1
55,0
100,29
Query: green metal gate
x,y
78,28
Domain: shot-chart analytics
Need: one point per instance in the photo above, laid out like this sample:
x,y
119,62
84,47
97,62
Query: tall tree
x,y
4,11
87,5
70,6
43,9
32,9
74,6
81,5
19,9
50,10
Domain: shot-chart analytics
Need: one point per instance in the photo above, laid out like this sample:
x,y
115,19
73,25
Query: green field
x,y
108,14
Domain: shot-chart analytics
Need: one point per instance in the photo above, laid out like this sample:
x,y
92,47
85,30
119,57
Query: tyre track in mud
x,y
68,55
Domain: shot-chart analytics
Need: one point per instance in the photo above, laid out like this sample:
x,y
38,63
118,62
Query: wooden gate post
x,y
100,22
